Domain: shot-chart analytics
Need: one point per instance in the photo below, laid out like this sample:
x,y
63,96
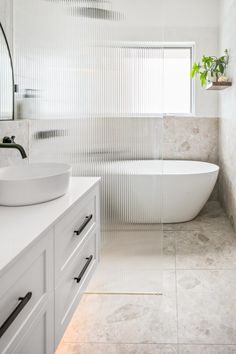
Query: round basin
x,y
33,183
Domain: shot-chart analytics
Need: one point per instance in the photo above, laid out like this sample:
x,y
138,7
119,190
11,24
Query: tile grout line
x,y
152,343
205,269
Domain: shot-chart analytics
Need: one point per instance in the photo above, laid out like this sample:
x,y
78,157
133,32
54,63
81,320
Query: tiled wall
x,y
227,125
184,138
191,138
179,138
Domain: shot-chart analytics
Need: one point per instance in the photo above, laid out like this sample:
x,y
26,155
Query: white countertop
x,y
21,226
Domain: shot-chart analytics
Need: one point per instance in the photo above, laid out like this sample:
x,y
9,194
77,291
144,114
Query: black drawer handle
x,y
15,313
89,260
85,223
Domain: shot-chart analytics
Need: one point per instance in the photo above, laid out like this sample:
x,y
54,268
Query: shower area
x,y
95,99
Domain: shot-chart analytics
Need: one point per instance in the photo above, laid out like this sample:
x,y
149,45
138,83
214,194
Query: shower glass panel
x,y
95,100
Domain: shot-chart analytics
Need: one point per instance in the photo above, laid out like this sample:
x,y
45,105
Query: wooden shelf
x,y
217,86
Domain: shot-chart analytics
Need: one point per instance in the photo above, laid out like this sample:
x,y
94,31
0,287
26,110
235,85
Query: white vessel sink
x,y
33,183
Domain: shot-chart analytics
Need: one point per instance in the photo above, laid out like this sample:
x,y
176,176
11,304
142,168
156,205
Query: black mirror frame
x,y
13,76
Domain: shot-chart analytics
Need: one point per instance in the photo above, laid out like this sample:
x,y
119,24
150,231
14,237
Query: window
x,y
140,80
177,81
157,80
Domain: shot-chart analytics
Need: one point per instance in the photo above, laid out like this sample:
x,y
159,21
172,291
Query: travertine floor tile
x,y
211,218
86,348
205,249
132,262
138,250
127,319
147,349
207,349
206,306
109,281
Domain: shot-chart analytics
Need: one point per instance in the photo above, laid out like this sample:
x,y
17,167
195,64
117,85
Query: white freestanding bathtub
x,y
155,191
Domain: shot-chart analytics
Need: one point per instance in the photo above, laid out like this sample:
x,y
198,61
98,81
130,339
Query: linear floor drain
x,y
121,293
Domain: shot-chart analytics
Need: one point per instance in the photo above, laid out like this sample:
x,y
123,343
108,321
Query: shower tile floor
x,y
196,312
133,262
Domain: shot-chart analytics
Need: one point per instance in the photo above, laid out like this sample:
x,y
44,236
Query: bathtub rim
x,y
109,167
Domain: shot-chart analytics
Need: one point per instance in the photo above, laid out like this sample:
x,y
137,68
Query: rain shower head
x,y
92,9
93,1
96,13
81,1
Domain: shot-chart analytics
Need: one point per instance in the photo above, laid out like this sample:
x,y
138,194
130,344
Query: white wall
x,y
6,18
169,13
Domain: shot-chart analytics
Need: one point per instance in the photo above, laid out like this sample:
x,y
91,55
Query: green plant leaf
x,y
222,69
203,78
195,70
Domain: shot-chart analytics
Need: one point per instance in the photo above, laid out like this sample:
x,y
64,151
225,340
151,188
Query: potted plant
x,y
211,69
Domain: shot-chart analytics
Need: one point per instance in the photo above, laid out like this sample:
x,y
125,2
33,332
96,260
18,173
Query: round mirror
x,y
6,79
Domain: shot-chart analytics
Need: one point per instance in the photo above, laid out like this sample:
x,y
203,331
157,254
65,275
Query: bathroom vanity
x,y
48,254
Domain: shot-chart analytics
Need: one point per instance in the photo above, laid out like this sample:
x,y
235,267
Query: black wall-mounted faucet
x,y
9,143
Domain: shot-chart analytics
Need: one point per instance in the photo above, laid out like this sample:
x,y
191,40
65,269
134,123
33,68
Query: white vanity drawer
x,y
71,232
38,336
31,279
74,282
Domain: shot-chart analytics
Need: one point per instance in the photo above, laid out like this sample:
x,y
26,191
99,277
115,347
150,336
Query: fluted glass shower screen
x,y
115,128
94,96
94,101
